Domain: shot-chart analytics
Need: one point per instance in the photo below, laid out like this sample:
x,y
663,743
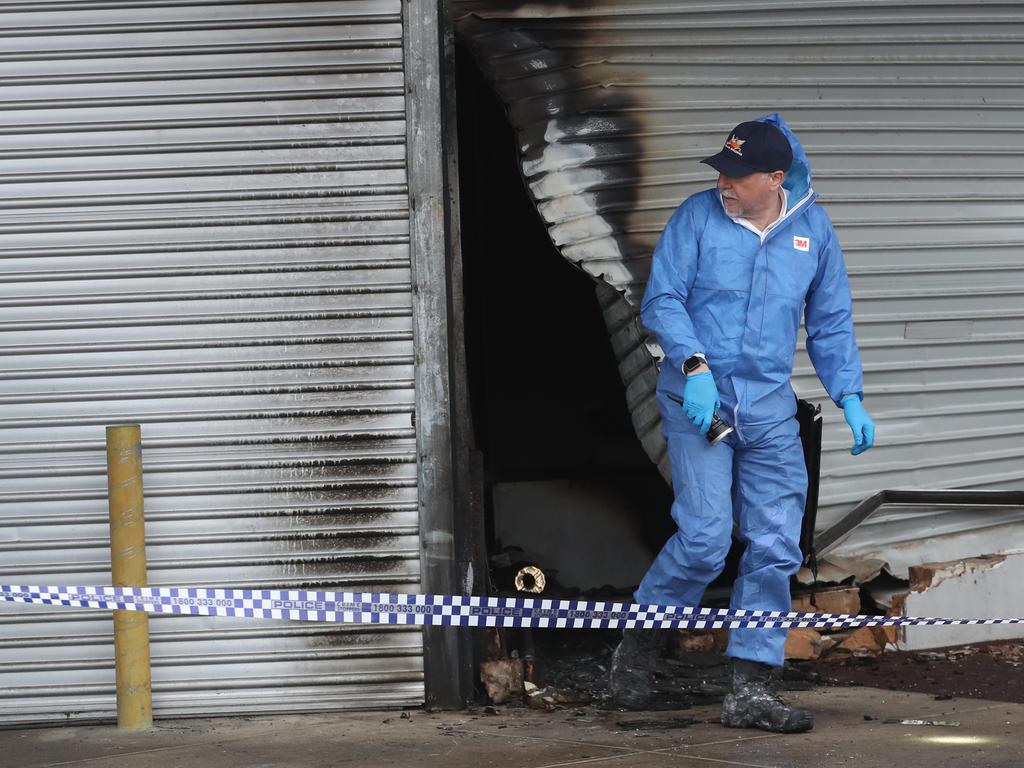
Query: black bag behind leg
x,y
809,417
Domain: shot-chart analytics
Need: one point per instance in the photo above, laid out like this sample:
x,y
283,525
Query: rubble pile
x,y
564,669
806,644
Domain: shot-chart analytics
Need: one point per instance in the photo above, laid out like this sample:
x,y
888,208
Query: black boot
x,y
633,664
753,703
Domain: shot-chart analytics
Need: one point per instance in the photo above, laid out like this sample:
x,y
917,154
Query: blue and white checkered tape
x,y
442,610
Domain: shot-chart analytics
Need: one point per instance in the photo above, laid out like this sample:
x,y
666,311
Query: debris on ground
x,y
979,671
806,644
502,679
663,724
942,723
550,698
868,640
556,669
572,671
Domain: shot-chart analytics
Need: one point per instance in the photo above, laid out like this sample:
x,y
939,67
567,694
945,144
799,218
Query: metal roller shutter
x,y
204,229
911,113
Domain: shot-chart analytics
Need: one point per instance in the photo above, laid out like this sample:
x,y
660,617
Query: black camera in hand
x,y
718,430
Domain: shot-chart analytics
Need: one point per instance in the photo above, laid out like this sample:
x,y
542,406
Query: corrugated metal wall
x,y
204,228
912,114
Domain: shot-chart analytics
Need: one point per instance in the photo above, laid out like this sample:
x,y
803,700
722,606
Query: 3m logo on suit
x,y
802,243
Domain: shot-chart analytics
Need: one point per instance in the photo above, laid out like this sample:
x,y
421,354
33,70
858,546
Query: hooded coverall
x,y
720,288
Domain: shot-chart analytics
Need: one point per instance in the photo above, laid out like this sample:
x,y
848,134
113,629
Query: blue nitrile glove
x,y
700,399
861,425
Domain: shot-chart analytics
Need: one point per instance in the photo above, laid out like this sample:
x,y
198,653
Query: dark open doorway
x,y
566,479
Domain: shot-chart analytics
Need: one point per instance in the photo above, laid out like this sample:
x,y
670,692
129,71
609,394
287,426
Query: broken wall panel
x,y
983,587
910,113
899,542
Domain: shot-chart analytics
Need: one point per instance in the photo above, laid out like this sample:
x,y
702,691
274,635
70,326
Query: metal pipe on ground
x,y
128,569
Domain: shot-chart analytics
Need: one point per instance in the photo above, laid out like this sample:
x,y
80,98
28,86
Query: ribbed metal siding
x,y
204,229
912,114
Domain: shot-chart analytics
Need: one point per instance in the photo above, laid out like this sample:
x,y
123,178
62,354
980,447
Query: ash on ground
x,y
577,662
991,671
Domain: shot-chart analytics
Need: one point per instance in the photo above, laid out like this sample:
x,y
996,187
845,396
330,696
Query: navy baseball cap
x,y
751,147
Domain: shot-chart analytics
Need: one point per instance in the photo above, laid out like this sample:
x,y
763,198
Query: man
x,y
735,269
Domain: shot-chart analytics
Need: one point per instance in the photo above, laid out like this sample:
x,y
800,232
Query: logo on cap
x,y
736,145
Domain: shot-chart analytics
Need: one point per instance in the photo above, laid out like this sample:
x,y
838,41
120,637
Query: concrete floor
x,y
990,734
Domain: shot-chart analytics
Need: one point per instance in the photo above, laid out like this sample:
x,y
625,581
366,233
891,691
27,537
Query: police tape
x,y
442,610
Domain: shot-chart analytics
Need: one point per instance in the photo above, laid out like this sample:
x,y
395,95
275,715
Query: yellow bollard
x,y
128,569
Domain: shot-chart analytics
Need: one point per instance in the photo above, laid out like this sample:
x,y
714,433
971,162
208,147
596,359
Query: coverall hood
x,y
798,179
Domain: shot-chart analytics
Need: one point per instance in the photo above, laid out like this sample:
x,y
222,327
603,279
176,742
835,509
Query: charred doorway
x,y
567,483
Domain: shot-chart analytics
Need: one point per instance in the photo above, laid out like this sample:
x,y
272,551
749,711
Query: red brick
x,y
803,643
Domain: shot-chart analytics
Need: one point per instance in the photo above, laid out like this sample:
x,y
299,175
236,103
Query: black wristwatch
x,y
692,363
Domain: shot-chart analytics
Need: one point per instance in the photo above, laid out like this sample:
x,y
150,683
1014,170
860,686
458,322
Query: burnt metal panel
x,y
911,113
204,228
434,256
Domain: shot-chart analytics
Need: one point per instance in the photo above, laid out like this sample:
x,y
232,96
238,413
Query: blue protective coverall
x,y
719,288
